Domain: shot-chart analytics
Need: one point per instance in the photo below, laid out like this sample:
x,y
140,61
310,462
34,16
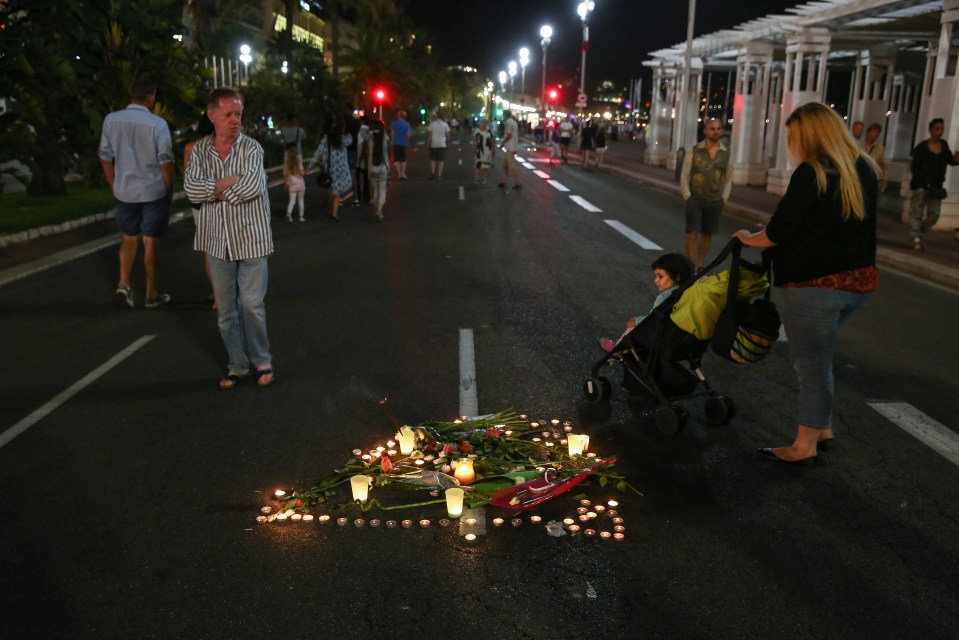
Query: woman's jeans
x,y
239,287
812,318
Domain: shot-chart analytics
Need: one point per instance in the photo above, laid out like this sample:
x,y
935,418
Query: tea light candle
x,y
406,524
419,462
605,535
497,522
546,434
359,522
619,537
444,523
568,521
261,519
590,455
590,514
280,494
341,522
537,439
564,442
599,508
391,443
619,528
323,519
470,537
585,503
612,513
613,503
296,517
554,421
617,521
589,533
454,502
357,453
374,523
266,510
574,528
365,457
523,416
535,519
391,524
583,518
424,523
516,522
391,452
567,426
308,517
281,517
549,444
470,521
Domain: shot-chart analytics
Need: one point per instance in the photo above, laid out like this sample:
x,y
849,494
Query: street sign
x,y
581,101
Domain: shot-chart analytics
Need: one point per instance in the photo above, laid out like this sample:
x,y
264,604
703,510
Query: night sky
x,y
622,32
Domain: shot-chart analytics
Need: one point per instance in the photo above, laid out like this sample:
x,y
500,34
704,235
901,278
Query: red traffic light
x,y
553,94
380,94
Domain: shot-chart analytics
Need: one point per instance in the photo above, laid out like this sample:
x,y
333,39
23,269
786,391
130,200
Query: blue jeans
x,y
239,287
812,318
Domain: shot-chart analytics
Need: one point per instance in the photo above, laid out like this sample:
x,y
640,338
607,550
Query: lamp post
x,y
511,68
545,32
584,10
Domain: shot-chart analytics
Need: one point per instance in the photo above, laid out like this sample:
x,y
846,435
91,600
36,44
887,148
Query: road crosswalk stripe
x,y
641,240
541,174
586,204
559,186
931,433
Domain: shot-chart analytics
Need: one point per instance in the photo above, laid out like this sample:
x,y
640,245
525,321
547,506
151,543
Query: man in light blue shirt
x,y
136,154
401,139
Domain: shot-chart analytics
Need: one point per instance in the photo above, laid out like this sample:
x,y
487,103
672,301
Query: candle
x,y
619,537
391,452
537,439
585,503
266,510
454,502
381,449
280,494
261,519
419,463
341,522
470,521
406,438
308,517
361,487
359,522
612,513
323,519
613,503
554,421
296,517
589,533
599,508
365,457
568,521
574,528
424,523
374,522
617,521
406,524
281,517
523,416
535,519
357,453
464,471
583,518
391,524
497,522
516,522
605,535
590,514
444,522
470,537
549,444
567,426
391,444
619,528
577,443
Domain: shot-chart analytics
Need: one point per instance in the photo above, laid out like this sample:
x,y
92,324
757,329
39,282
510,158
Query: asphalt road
x,y
128,510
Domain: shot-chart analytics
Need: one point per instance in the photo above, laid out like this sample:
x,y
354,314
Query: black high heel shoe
x,y
766,453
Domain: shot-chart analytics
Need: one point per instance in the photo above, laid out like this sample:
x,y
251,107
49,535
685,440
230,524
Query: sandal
x,y
229,381
264,377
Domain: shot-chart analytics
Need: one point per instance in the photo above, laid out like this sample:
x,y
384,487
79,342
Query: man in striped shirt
x,y
226,175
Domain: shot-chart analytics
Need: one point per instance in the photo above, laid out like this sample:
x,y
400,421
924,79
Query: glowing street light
x,y
584,10
523,61
545,32
246,57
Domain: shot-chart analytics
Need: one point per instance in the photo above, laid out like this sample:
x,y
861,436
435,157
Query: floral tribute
x,y
504,449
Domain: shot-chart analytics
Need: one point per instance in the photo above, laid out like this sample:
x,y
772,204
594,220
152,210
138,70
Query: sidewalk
x,y
939,262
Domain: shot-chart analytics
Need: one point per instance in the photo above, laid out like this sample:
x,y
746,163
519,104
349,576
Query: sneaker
x,y
159,301
302,219
917,244
123,297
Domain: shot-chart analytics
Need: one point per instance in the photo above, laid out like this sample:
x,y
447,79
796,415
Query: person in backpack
x,y
822,244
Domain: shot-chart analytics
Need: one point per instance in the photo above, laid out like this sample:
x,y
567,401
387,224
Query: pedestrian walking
x,y
565,137
294,183
377,153
929,161
332,154
226,176
400,128
705,183
822,243
510,145
484,148
601,138
136,154
293,134
587,142
438,139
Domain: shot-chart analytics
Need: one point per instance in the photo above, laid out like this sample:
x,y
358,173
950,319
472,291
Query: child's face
x,y
662,279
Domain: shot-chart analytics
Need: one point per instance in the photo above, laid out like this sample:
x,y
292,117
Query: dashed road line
x,y
559,186
931,433
71,391
462,193
641,240
468,397
586,204
541,174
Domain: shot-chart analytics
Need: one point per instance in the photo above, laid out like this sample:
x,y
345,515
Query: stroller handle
x,y
734,246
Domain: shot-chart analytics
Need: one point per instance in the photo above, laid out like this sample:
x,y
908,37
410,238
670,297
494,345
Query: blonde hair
x,y
817,136
292,166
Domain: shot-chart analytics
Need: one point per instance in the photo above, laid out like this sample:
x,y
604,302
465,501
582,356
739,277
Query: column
x,y
873,84
804,81
901,126
659,132
687,106
753,71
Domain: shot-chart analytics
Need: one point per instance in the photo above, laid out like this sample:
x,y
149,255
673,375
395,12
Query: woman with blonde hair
x,y
822,244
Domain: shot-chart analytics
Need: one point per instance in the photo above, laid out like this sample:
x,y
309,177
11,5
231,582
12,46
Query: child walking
x,y
294,183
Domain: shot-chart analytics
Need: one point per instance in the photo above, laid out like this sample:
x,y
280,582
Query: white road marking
x,y
528,165
461,161
462,197
541,174
586,204
642,241
933,434
557,185
468,400
782,335
71,391
519,159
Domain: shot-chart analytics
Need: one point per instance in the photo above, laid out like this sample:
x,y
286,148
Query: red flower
x,y
450,448
431,446
492,433
465,446
299,503
386,462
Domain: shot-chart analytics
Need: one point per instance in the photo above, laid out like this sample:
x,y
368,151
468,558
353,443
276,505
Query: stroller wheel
x,y
597,390
730,407
716,410
670,420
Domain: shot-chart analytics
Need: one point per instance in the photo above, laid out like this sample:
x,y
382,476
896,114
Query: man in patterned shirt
x,y
226,175
705,184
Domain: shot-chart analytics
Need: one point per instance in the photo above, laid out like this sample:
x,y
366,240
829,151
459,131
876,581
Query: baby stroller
x,y
661,356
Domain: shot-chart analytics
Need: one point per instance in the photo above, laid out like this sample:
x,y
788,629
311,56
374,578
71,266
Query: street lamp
x,y
246,58
502,81
584,10
545,32
523,61
511,68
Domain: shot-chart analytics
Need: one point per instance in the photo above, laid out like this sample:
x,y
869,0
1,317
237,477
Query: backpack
x,y
746,329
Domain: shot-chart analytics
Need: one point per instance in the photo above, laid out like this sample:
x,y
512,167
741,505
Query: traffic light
x,y
553,95
380,94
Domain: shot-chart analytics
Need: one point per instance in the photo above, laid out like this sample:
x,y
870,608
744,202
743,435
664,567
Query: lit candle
x,y
590,454
568,521
584,518
590,514
406,438
619,528
392,452
381,449
599,508
454,502
308,517
613,503
577,443
523,416
444,522
537,439
419,462
617,521
361,487
574,528
470,537
357,453
261,519
546,434
296,517
391,444
549,444
589,533
564,442
516,522
619,537
554,421
585,502
266,510
464,471
567,426
323,519
424,523
280,494
281,517
359,522
612,513
374,522
391,524
341,522
497,522
535,519
406,524
605,535
365,457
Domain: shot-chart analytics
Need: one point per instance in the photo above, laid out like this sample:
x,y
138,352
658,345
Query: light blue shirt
x,y
137,142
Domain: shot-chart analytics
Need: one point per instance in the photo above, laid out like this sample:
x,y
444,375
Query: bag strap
x,y
732,290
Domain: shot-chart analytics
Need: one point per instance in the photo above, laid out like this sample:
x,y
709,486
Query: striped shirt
x,y
138,143
237,228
